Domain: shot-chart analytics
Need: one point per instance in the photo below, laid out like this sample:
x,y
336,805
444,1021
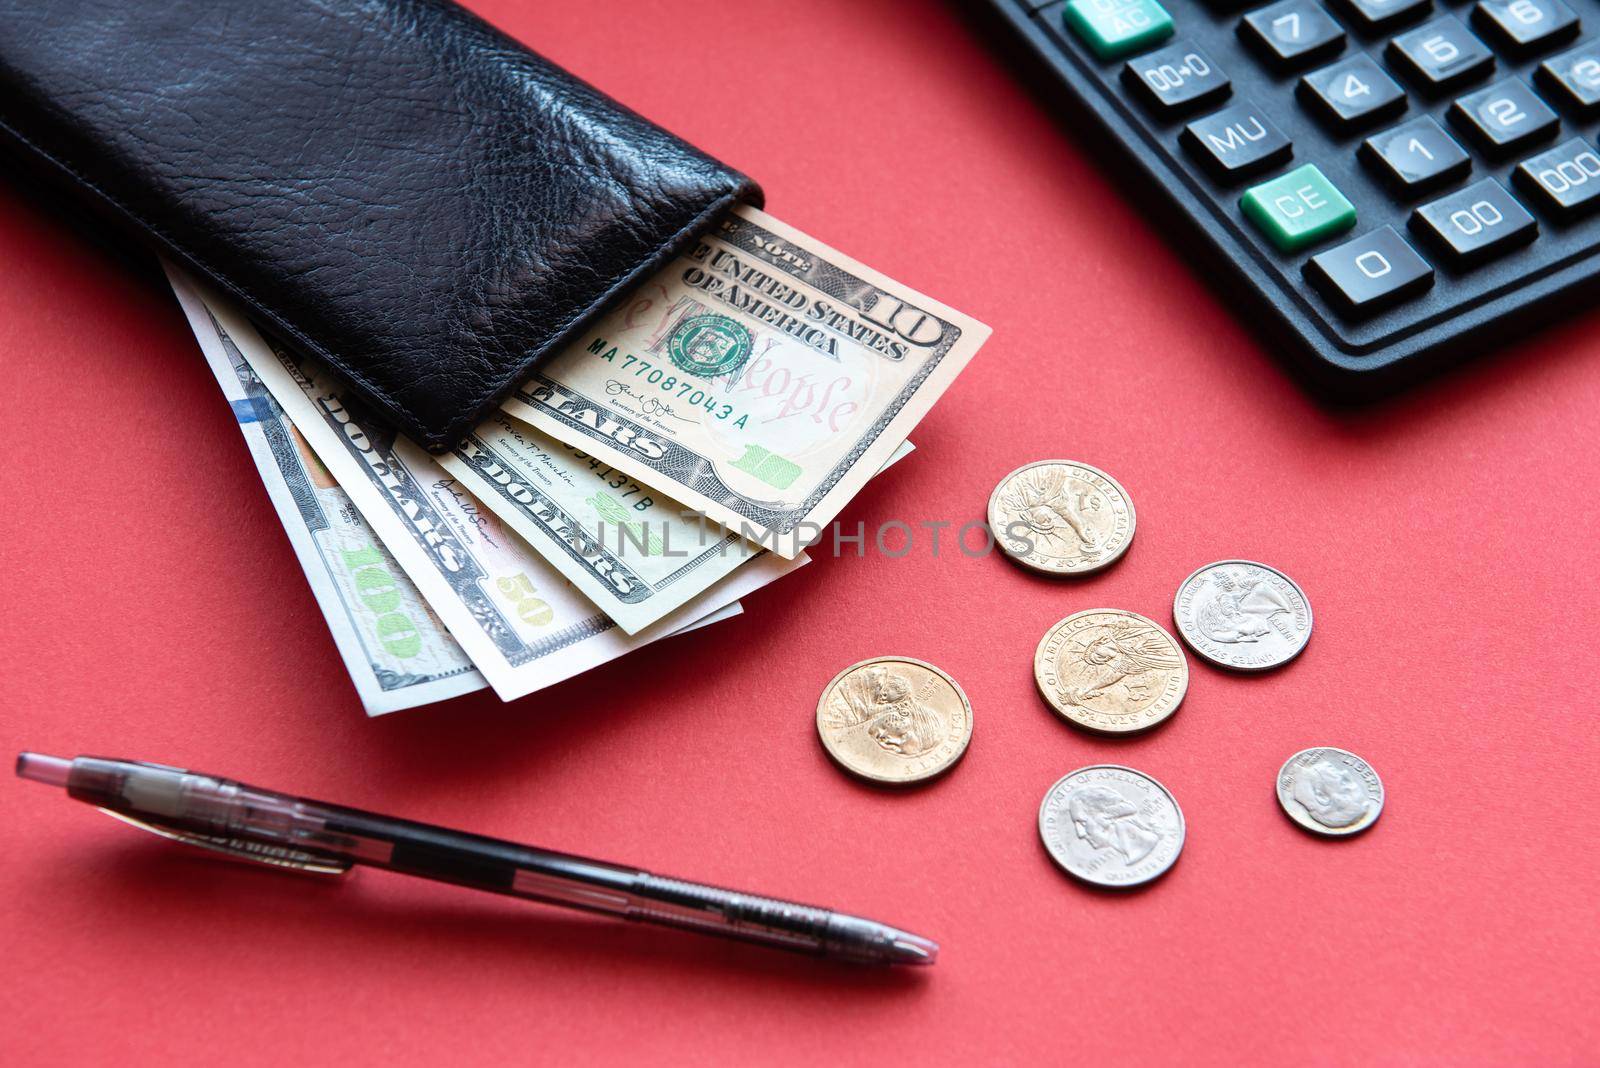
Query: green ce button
x,y
1298,209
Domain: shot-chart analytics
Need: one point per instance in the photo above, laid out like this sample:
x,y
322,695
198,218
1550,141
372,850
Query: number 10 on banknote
x,y
760,378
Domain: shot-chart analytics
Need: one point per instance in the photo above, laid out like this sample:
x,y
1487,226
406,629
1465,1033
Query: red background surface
x,y
1447,540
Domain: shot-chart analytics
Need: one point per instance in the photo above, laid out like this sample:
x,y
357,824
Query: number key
x,y
1416,156
1292,33
1440,54
1176,79
1476,223
1573,78
1565,180
1353,92
1370,272
1504,117
1525,26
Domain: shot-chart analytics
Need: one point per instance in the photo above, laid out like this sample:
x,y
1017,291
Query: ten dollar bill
x,y
760,378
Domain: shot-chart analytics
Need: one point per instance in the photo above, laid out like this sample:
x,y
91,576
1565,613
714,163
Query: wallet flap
x,y
392,185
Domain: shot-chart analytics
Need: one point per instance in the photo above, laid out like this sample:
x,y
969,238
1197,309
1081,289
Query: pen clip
x,y
275,856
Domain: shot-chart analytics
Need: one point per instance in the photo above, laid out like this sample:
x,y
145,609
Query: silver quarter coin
x,y
1242,615
1061,517
1330,791
1111,826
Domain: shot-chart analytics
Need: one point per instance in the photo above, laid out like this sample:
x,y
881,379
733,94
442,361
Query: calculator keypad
x,y
1388,160
1565,180
1373,15
1237,141
1299,209
1353,92
1523,27
1113,28
1373,271
1476,224
1572,79
1416,156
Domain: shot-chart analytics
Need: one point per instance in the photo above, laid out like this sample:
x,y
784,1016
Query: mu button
x,y
1236,141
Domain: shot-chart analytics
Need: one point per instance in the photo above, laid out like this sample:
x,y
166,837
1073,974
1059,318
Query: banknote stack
x,y
678,455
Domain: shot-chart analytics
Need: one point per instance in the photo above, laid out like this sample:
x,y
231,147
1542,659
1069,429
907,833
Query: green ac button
x,y
1113,28
1298,209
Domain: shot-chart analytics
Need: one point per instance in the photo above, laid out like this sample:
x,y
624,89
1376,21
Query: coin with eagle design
x,y
1243,615
1061,517
1111,670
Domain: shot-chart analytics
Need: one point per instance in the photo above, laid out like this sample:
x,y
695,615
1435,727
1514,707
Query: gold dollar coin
x,y
1111,671
893,719
1061,517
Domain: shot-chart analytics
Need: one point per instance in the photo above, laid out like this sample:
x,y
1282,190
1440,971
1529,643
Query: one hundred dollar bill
x,y
761,379
397,652
519,621
634,552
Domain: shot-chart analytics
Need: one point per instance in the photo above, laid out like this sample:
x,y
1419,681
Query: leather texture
x,y
392,185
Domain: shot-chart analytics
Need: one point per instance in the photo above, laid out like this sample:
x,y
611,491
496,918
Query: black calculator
x,y
1401,181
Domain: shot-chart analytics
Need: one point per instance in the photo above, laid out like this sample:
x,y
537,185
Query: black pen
x,y
293,832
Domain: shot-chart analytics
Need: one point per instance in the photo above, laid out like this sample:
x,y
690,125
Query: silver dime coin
x,y
1111,826
1330,791
1242,615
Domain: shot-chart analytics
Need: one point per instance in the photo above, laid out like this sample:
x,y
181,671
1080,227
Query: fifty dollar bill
x,y
519,621
761,378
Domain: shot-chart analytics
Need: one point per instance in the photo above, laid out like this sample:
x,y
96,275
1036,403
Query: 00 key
x,y
1475,224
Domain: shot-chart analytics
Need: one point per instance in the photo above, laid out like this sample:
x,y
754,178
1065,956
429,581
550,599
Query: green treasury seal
x,y
709,345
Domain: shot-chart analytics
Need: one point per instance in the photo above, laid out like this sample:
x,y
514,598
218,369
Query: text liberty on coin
x,y
1330,791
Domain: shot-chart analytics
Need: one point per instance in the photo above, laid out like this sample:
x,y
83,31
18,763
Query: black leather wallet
x,y
392,185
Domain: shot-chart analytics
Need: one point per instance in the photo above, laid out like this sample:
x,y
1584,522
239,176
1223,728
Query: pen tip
x,y
914,949
52,771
